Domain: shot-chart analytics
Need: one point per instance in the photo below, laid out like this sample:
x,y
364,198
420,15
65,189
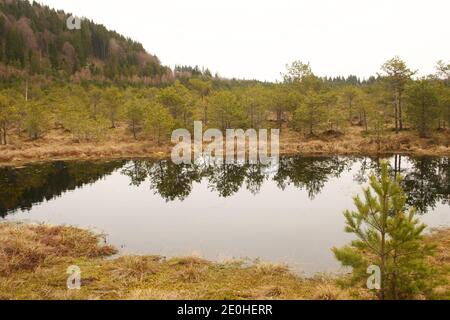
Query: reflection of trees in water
x,y
427,183
426,180
21,188
169,180
173,181
226,179
310,173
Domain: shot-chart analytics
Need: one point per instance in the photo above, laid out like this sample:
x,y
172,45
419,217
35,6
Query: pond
x,y
293,215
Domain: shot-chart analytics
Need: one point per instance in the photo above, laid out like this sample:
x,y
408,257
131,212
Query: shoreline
x,y
59,145
107,275
35,257
22,161
9,156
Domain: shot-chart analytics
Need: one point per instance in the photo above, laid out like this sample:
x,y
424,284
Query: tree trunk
x,y
400,114
396,113
365,120
94,112
394,280
3,131
382,267
422,122
279,118
134,130
26,90
350,107
205,116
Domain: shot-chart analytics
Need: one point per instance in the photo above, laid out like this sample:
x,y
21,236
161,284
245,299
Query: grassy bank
x,y
59,145
34,260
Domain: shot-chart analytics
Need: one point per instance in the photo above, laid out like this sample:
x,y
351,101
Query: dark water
x,y
292,216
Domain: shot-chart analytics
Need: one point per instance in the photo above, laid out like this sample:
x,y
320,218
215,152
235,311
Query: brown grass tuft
x,y
188,261
330,292
26,247
192,273
136,267
271,269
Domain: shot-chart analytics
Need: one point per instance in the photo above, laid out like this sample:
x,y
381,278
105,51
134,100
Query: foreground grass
x,y
34,260
59,145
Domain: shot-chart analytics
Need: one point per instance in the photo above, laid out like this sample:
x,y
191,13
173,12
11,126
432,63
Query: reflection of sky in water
x,y
275,225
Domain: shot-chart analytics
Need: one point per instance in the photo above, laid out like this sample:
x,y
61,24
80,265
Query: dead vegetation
x,y
34,260
59,145
357,142
26,248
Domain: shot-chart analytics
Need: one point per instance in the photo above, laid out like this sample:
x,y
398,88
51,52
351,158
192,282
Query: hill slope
x,y
35,39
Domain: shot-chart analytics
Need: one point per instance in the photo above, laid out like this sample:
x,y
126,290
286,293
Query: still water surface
x,y
292,216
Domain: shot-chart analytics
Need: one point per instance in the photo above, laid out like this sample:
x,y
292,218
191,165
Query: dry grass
x,y
34,261
28,247
357,142
59,145
441,239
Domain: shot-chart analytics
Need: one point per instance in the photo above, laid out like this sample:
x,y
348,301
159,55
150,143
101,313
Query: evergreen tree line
x,y
303,102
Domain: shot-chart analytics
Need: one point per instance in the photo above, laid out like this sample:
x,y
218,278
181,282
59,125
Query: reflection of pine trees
x,y
173,181
226,179
427,183
21,188
310,173
167,179
426,180
137,171
255,177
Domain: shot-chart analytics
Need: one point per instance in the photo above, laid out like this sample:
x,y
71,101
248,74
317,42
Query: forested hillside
x,y
36,40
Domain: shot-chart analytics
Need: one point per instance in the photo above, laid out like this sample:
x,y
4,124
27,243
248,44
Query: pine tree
x,y
158,122
312,112
397,75
134,112
423,105
390,237
36,120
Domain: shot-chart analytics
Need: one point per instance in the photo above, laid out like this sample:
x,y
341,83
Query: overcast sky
x,y
254,39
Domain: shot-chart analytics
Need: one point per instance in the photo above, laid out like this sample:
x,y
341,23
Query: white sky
x,y
254,39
